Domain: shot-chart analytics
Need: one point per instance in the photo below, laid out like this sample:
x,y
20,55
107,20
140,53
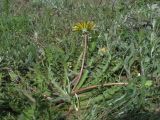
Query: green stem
x,y
77,79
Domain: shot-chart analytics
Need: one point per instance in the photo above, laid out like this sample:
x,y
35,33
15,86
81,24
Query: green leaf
x,y
148,83
13,75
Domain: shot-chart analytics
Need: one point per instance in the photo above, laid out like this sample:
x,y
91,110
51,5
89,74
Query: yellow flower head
x,y
84,26
102,51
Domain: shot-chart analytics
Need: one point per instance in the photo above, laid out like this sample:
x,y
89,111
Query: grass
x,y
40,56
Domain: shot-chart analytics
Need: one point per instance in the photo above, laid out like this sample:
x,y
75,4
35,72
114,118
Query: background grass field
x,y
40,55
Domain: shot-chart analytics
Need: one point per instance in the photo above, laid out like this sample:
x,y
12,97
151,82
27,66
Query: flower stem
x,y
77,79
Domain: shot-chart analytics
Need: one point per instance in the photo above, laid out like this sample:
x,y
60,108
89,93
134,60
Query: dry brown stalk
x,y
96,86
